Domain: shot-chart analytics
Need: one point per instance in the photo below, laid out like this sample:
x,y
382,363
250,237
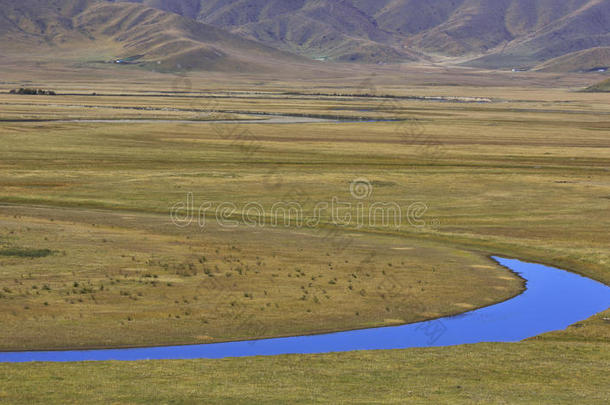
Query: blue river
x,y
553,300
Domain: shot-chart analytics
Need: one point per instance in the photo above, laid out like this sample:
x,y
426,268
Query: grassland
x,y
524,373
525,175
128,279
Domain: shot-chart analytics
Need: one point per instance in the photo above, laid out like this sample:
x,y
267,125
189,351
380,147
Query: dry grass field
x,y
89,256
127,279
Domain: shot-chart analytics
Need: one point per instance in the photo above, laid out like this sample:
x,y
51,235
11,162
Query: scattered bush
x,y
33,92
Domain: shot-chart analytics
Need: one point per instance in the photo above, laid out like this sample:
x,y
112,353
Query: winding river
x,y
553,300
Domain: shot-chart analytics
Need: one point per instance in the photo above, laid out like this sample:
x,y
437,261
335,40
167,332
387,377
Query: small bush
x,y
33,92
31,253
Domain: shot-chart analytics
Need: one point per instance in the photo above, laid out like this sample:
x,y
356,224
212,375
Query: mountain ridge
x,y
492,33
547,35
130,33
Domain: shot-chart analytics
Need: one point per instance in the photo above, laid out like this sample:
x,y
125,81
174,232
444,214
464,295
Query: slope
x,y
85,30
602,87
491,33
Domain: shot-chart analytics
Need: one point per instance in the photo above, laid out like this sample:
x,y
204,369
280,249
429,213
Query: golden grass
x,y
500,178
127,279
526,177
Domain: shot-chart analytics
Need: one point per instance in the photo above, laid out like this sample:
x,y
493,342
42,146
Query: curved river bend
x,y
553,300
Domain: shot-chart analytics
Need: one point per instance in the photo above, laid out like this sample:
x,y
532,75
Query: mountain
x,y
483,33
254,35
85,30
561,28
317,29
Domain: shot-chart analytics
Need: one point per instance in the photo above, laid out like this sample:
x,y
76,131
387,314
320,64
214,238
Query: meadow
x,y
89,256
523,373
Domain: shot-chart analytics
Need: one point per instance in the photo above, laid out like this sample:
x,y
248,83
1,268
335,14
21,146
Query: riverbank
x,y
529,372
549,292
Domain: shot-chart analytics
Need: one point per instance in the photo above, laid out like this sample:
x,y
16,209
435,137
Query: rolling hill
x,y
483,33
589,60
254,35
90,30
320,29
602,87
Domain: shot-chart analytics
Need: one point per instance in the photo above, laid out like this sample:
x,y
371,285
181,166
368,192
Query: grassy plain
x,y
127,279
525,175
523,373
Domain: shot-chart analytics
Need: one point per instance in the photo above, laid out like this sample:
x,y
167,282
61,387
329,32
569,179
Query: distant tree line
x,y
33,92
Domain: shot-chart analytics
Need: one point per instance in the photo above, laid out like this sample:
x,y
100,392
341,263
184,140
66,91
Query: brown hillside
x,y
89,30
493,33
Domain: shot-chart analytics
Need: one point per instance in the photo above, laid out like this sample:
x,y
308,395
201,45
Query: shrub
x,y
31,253
33,92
